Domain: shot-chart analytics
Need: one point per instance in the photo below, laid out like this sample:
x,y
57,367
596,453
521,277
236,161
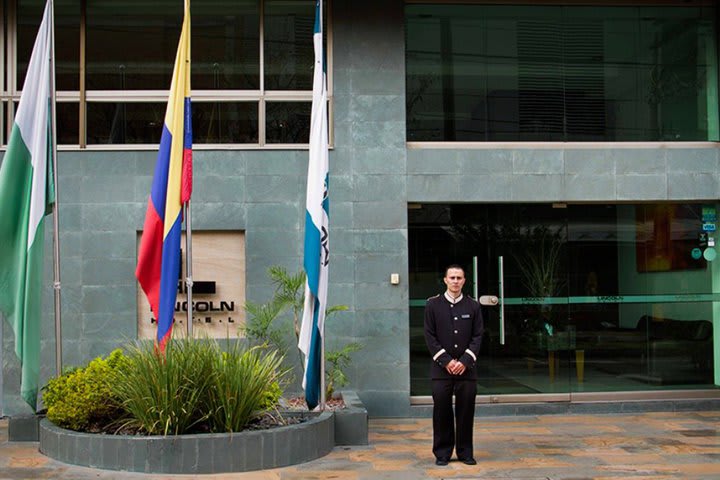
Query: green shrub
x,y
336,363
83,397
168,393
248,383
259,327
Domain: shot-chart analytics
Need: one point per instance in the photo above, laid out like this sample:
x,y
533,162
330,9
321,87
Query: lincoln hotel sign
x,y
218,294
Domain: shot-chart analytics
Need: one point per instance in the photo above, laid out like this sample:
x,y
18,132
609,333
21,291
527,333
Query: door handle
x,y
501,286
489,300
475,278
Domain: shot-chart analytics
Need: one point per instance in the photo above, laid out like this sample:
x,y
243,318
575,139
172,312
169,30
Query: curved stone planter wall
x,y
351,423
187,454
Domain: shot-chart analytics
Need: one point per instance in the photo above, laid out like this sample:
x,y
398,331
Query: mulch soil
x,y
265,421
298,403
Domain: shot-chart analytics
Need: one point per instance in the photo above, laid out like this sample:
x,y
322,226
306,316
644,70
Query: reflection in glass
x,y
131,123
288,122
142,123
226,45
597,297
67,40
561,73
289,56
225,122
67,123
131,48
3,130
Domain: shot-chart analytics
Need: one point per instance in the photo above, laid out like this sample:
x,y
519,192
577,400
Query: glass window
x,y
129,53
289,56
121,123
67,40
131,48
226,45
142,123
225,122
288,122
67,118
561,73
4,105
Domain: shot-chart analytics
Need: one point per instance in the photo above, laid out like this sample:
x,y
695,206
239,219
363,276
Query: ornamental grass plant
x,y
166,394
196,387
246,382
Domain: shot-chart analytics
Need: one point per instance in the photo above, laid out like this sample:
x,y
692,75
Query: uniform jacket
x,y
453,331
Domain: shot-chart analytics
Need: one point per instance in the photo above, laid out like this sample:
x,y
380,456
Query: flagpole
x,y
188,268
322,333
188,212
56,222
322,370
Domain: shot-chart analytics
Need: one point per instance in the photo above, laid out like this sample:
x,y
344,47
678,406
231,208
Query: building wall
x,y
369,220
537,173
103,197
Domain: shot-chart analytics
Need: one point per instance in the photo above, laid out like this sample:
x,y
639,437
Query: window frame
x,y
10,92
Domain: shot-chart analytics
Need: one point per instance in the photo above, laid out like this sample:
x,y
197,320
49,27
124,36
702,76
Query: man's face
x,y
454,279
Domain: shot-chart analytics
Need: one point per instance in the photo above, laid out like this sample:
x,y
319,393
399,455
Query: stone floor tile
x,y
647,446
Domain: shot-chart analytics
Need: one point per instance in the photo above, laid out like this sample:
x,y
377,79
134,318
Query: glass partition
x,y
596,297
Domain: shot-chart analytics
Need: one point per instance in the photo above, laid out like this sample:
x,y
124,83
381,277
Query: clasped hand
x,y
455,367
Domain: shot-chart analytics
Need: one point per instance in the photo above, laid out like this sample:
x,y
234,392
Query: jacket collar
x,y
450,299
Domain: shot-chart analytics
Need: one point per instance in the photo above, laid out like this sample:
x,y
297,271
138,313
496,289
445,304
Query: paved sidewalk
x,y
646,446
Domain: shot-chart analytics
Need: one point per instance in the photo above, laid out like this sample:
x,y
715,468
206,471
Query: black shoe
x,y
468,461
441,462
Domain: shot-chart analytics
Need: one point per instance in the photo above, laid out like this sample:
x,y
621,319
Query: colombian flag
x,y
158,266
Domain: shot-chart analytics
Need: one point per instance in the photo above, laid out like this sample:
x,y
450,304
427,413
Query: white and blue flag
x,y
316,228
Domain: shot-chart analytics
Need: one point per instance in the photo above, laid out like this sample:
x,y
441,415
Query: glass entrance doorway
x,y
594,298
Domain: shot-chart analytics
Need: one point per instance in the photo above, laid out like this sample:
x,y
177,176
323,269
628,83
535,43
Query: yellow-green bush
x,y
271,396
83,396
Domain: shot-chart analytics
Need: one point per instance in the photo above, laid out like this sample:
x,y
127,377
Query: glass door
x,y
642,289
530,345
535,354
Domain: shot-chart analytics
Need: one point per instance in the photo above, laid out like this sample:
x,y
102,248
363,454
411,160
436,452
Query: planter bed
x,y
191,454
351,422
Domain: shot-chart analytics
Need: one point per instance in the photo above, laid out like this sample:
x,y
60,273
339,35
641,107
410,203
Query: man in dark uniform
x,y
453,332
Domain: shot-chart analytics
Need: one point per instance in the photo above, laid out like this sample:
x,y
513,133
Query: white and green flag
x,y
26,196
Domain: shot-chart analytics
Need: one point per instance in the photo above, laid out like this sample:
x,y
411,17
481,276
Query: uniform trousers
x,y
453,430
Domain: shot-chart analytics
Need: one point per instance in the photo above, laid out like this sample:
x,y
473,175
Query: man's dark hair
x,y
455,266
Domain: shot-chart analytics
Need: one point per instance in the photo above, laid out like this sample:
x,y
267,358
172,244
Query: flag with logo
x,y
316,228
26,197
158,267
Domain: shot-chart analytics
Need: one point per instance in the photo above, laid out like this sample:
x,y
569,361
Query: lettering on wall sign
x,y
218,293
